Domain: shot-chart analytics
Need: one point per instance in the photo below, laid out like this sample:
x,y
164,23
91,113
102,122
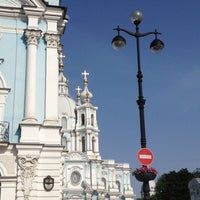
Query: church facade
x,y
49,142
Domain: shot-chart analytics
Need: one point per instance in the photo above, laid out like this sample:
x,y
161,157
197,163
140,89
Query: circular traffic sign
x,y
145,156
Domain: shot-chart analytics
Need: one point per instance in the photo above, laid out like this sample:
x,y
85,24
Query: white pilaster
x,y
32,38
78,142
88,141
3,98
73,142
96,145
51,98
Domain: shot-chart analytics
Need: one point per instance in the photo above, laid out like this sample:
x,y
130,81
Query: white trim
x,y
3,170
2,81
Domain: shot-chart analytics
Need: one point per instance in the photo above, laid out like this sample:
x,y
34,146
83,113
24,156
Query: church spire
x,y
78,89
63,82
86,95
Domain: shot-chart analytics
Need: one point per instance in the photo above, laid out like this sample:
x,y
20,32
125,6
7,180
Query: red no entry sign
x,y
145,156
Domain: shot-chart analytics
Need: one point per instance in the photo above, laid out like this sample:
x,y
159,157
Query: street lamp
x,y
48,183
156,45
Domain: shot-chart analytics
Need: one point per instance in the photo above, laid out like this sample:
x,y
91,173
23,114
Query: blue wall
x,y
13,50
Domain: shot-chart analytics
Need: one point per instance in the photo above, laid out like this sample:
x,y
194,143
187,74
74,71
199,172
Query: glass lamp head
x,y
136,17
118,42
156,45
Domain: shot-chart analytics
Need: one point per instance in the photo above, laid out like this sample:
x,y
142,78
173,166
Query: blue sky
x,y
171,78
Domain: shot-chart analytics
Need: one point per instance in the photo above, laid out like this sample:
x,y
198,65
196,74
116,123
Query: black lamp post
x,y
156,45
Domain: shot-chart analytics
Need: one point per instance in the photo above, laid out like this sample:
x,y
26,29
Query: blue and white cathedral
x,y
49,143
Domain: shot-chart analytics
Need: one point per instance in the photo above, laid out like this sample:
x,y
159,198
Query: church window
x,y
82,119
75,178
93,144
118,186
92,119
83,144
75,144
64,123
104,182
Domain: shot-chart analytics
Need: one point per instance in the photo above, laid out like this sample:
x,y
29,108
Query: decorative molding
x,y
79,156
104,173
52,40
32,36
118,176
27,165
11,30
76,168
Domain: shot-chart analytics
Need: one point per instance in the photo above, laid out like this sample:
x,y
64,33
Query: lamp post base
x,y
146,190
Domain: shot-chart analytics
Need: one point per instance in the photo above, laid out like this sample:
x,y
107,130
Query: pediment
x,y
20,3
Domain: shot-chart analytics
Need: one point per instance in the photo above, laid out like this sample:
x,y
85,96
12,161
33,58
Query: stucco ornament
x,y
53,40
32,36
27,165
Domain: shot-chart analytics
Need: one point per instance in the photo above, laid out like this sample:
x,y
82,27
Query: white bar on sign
x,y
143,156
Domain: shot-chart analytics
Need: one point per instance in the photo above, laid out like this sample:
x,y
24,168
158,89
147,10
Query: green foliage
x,y
196,173
173,185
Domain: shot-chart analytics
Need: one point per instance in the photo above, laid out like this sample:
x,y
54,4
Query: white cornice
x,y
39,11
11,30
11,12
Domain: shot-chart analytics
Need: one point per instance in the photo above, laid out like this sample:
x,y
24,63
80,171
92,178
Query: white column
x,y
51,98
32,38
73,142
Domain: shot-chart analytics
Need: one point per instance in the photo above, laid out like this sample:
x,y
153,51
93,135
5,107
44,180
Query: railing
x,y
4,131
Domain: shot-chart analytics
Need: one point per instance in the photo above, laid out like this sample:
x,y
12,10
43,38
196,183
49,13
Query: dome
x,y
86,95
66,106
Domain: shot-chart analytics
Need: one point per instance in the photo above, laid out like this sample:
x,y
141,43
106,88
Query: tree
x,y
173,185
196,173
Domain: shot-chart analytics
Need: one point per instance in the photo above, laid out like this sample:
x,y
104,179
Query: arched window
x,y
83,144
82,119
104,182
118,186
93,144
92,119
64,123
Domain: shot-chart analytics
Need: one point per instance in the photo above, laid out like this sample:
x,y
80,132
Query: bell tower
x,y
86,127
